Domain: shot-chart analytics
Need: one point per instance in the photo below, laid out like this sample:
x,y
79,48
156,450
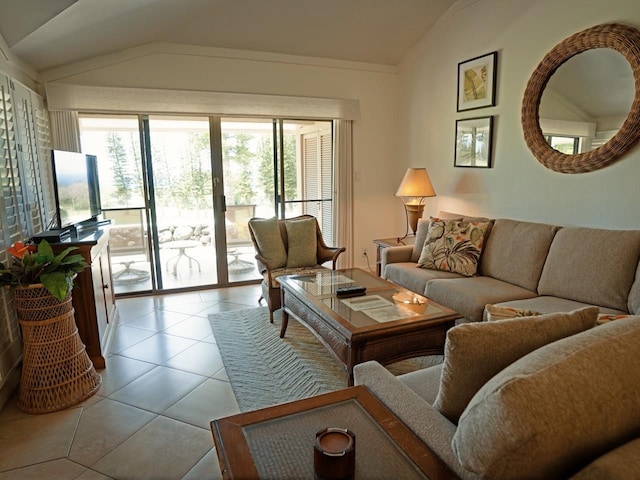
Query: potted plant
x,y
38,264
56,370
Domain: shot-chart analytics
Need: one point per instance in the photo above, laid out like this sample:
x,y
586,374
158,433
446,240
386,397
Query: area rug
x,y
266,370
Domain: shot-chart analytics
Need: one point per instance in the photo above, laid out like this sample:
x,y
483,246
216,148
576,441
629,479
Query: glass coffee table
x,y
278,442
387,324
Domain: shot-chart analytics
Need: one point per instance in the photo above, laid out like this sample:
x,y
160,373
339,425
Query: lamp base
x,y
414,213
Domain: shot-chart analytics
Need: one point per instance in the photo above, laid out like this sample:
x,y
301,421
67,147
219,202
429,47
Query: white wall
x,y
517,186
375,154
409,119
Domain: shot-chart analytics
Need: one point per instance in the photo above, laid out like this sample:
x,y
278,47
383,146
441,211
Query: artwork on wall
x,y
477,82
474,142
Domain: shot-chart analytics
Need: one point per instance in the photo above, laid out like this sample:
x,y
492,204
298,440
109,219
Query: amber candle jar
x,y
334,455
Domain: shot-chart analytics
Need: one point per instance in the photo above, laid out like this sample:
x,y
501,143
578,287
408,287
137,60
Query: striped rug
x,y
265,369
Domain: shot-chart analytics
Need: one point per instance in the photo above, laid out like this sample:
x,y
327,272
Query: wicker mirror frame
x,y
623,39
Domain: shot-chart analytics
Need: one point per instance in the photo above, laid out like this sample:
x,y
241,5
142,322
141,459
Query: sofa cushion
x,y
468,296
303,242
269,241
453,246
557,408
516,251
633,304
415,279
592,265
475,352
619,463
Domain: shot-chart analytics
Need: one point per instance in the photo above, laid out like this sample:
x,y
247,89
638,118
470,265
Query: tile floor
x,y
163,384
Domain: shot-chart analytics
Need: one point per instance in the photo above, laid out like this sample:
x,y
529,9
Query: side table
x,y
277,442
382,243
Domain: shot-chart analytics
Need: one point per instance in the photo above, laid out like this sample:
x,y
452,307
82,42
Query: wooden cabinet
x,y
93,297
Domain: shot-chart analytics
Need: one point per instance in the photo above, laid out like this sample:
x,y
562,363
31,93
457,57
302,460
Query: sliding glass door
x,y
180,191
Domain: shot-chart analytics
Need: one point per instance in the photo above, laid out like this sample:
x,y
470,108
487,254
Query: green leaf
x,y
45,249
64,253
56,284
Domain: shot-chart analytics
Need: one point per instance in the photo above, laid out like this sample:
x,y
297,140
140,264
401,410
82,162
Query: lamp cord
x,y
406,221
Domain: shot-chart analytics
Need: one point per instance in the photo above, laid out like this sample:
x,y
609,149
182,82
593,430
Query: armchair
x,y
286,247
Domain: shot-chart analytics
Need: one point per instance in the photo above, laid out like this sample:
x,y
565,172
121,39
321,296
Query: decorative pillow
x,y
606,317
269,241
556,409
303,242
495,312
453,246
421,234
475,352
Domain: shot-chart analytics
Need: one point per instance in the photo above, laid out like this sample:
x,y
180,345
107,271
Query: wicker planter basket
x,y
56,370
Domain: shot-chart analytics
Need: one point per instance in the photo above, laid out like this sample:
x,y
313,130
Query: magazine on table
x,y
379,309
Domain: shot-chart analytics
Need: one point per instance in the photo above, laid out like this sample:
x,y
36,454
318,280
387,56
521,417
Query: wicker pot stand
x,y
56,370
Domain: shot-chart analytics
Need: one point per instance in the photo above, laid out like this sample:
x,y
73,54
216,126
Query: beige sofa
x,y
534,266
546,397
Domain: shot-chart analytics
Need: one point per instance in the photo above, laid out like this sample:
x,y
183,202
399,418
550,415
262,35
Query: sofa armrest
x,y
398,254
426,422
401,253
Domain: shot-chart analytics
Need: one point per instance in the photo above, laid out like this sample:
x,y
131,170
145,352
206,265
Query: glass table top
x,y
384,302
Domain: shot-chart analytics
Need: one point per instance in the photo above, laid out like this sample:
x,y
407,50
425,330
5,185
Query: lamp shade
x,y
416,183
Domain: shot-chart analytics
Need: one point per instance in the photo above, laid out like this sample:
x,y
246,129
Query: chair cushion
x,y
269,241
475,352
556,409
453,246
303,242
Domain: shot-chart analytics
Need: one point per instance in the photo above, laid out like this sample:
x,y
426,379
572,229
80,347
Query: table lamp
x,y
415,186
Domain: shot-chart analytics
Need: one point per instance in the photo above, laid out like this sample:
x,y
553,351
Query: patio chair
x,y
286,247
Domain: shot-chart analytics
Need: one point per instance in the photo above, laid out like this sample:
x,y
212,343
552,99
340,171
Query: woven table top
x,y
283,447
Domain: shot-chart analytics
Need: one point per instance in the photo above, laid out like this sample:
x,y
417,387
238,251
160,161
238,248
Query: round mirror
x,y
581,107
586,101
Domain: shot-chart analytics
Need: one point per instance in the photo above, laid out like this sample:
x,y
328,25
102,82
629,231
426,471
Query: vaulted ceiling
x,y
50,33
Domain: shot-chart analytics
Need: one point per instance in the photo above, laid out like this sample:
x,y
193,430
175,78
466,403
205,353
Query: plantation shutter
x,y
311,164
318,179
29,162
326,177
11,224
43,160
27,194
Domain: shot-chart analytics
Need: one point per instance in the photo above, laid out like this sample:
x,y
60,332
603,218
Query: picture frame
x,y
477,82
474,142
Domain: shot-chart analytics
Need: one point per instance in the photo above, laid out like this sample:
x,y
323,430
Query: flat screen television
x,y
77,192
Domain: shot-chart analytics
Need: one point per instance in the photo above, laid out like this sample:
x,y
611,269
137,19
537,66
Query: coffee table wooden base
x,y
384,342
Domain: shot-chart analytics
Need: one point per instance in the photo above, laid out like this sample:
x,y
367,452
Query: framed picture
x,y
473,142
477,82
